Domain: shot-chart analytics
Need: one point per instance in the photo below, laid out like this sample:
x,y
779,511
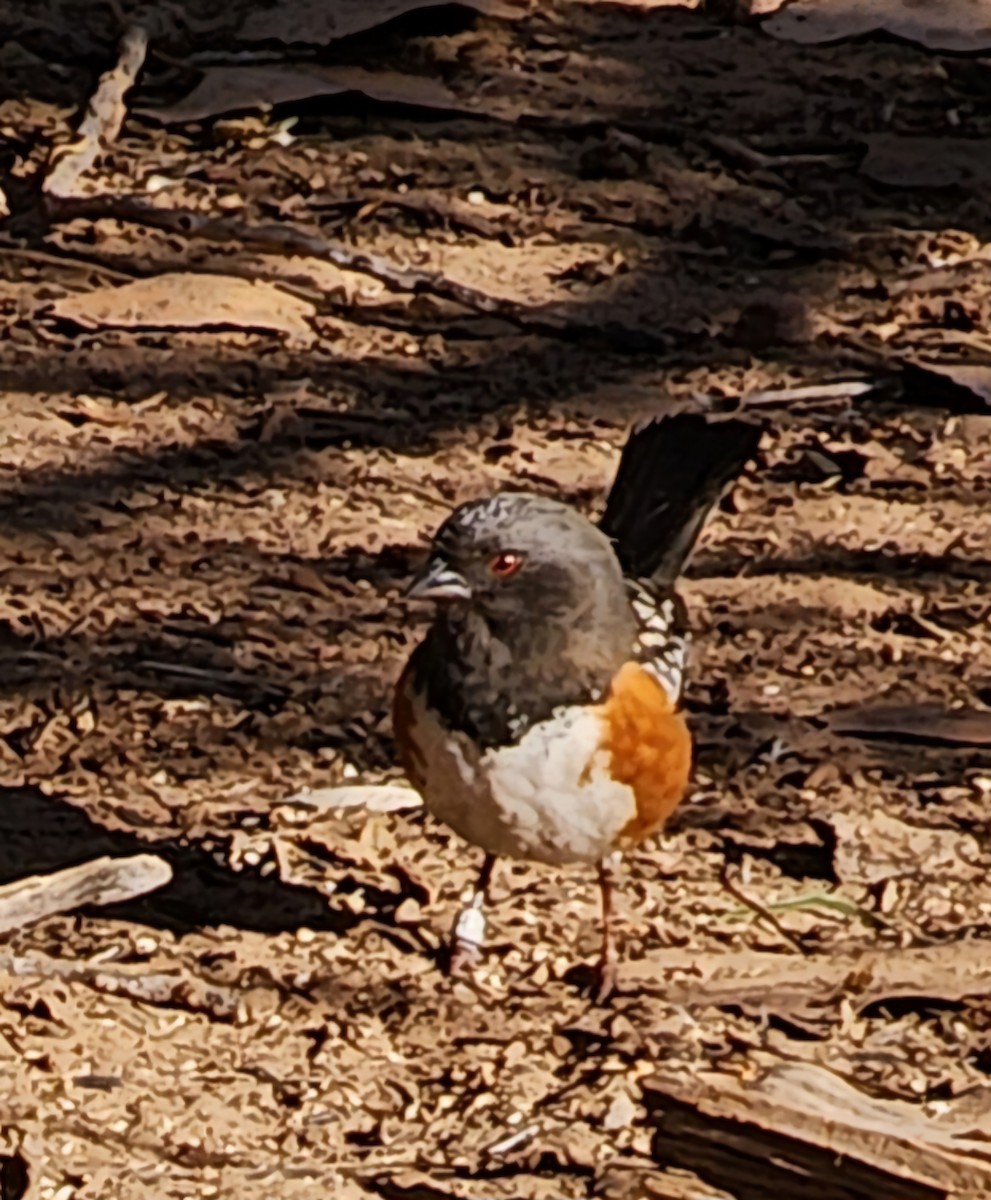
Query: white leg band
x,y
470,925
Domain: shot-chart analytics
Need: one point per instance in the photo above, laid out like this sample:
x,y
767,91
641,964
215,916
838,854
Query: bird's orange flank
x,y
649,746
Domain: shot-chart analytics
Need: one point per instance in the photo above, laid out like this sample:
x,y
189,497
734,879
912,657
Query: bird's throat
x,y
495,680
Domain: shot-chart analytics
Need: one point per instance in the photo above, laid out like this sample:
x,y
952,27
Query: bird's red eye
x,y
505,564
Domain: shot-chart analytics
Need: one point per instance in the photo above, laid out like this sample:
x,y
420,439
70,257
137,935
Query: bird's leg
x,y
468,935
605,973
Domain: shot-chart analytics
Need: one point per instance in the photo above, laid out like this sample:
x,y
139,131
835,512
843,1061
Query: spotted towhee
x,y
540,716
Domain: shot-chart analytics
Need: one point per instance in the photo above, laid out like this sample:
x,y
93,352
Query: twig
x,y
103,120
824,900
103,881
69,262
842,389
750,157
513,1141
209,674
761,912
299,242
164,989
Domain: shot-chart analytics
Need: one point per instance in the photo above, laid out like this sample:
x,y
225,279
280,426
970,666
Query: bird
x,y
540,717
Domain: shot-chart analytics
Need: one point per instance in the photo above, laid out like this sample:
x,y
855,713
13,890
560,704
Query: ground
x,y
507,235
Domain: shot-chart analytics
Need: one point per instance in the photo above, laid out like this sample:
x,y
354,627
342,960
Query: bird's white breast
x,y
549,797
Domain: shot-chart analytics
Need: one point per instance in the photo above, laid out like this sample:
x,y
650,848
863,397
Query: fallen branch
x,y
102,123
102,881
788,983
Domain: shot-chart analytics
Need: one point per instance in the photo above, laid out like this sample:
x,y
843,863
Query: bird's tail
x,y
672,471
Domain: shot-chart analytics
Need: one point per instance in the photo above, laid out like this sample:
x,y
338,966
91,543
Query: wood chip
x,y
102,881
383,798
915,723
788,983
158,988
802,1121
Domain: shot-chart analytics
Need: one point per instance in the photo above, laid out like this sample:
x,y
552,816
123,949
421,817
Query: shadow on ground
x,y
39,834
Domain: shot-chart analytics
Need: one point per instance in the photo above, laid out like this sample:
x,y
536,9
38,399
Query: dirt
x,y
206,523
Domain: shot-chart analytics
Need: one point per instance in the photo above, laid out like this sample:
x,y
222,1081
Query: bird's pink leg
x,y
468,935
605,972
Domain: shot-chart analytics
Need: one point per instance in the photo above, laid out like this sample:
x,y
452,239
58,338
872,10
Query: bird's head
x,y
520,557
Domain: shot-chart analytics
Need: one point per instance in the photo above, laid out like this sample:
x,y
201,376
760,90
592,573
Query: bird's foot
x,y
462,958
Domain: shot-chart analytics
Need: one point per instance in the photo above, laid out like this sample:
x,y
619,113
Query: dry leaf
x,y
648,4
180,300
315,23
960,387
927,161
408,912
231,89
307,580
959,25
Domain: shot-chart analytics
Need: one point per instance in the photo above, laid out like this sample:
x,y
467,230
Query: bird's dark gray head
x,y
533,613
518,556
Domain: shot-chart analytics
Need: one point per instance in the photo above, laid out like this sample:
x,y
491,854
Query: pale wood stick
x,y
102,881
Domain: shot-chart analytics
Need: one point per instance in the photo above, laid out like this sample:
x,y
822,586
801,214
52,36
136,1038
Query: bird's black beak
x,y
438,581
